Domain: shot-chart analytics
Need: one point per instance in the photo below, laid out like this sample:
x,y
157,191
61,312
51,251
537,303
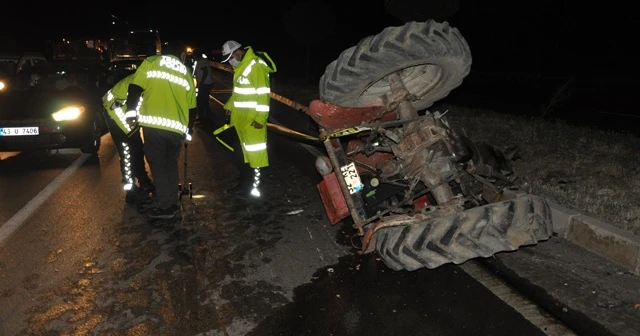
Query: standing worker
x,y
187,58
128,143
166,115
204,84
249,109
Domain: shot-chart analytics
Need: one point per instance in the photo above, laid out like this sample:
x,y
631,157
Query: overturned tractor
x,y
418,192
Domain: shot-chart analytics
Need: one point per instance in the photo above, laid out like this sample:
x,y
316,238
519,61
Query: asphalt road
x,y
80,261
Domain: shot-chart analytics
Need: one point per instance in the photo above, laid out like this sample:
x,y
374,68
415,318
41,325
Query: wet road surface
x,y
361,296
86,263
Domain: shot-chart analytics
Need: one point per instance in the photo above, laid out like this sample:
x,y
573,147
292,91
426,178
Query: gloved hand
x,y
131,117
116,104
187,136
132,122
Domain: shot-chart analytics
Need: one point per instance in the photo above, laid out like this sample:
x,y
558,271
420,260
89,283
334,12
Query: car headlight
x,y
68,113
2,85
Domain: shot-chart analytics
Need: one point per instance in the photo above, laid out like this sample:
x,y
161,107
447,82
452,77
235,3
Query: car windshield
x,y
124,65
52,79
122,68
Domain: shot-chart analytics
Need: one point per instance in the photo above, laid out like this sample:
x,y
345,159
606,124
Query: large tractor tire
x,y
432,59
477,232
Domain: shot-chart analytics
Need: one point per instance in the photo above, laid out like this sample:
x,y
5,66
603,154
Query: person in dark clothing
x,y
204,84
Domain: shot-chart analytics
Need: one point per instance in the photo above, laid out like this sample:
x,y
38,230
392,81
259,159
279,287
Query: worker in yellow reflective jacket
x,y
166,115
128,143
249,109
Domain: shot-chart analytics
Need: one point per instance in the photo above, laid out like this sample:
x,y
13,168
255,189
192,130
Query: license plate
x,y
19,131
352,178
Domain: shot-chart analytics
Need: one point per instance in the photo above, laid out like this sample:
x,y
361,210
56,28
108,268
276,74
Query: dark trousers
x,y
245,172
163,149
136,153
204,107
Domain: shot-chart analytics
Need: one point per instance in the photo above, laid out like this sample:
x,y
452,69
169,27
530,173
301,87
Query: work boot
x,y
250,190
130,196
136,195
235,187
248,194
145,205
241,183
167,213
148,186
144,199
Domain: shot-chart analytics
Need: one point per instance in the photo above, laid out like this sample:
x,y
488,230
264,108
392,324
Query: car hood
x,y
38,104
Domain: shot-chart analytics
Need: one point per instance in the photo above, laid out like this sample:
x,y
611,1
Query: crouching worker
x,y
135,178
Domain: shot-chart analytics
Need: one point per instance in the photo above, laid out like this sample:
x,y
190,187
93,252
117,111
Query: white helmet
x,y
228,48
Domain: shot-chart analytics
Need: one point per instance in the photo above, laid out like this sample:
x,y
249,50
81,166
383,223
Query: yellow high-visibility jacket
x,y
249,102
118,93
168,93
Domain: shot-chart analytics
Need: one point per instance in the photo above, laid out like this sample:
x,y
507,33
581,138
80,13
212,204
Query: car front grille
x,y
28,142
44,140
52,136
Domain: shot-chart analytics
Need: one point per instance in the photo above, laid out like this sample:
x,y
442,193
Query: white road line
x,y
23,214
527,308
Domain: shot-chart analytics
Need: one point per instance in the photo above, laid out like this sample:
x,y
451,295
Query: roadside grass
x,y
592,171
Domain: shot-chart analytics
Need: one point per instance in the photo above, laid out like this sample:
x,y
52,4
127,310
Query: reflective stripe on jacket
x,y
118,93
249,102
168,92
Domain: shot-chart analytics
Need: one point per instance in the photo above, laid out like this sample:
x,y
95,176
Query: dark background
x,y
524,52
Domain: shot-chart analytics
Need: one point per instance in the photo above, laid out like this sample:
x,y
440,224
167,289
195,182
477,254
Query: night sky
x,y
537,36
540,42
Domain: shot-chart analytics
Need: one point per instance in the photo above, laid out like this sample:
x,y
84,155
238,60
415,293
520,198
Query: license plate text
x,y
19,131
352,178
